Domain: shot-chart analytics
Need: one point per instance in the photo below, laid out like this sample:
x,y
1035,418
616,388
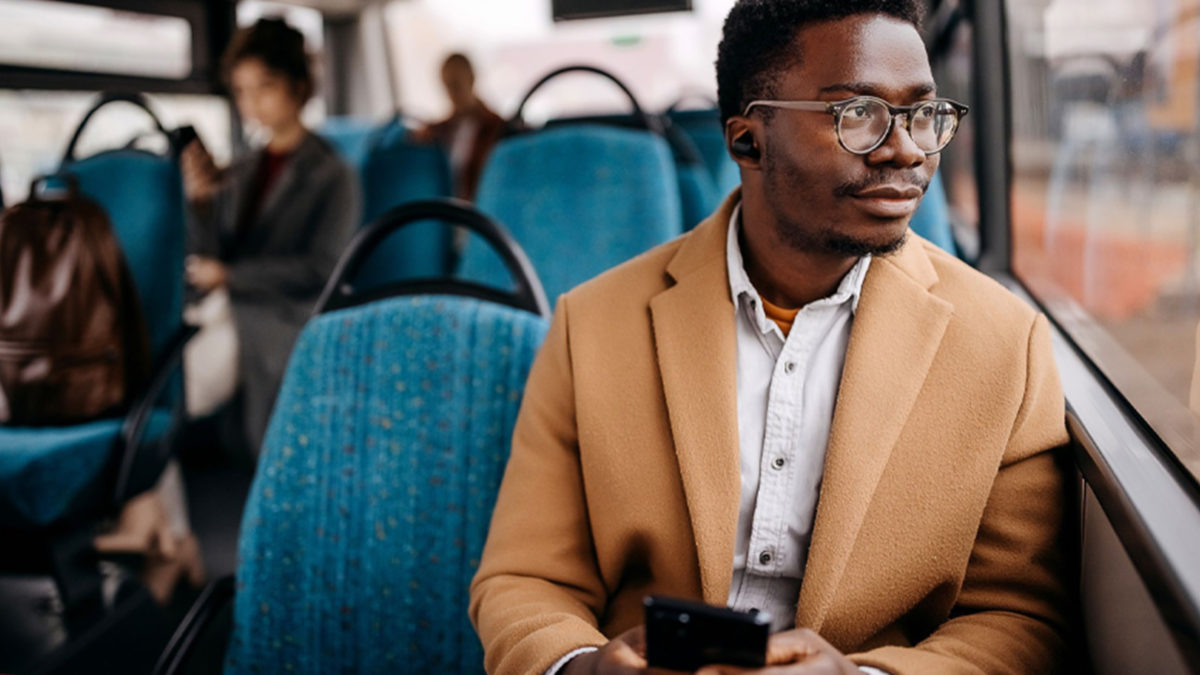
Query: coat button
x,y
764,557
789,367
778,463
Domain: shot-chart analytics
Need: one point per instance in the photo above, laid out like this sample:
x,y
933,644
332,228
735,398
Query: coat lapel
x,y
696,345
897,331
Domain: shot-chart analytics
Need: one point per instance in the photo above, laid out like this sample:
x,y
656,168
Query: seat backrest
x,y
143,195
350,137
579,199
932,219
396,171
704,128
375,488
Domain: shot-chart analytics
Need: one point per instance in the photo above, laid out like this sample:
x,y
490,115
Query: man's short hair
x,y
759,41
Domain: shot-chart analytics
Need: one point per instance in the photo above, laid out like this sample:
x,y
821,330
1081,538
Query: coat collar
x,y
897,331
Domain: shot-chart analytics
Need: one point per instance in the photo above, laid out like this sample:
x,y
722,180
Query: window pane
x,y
1106,193
35,127
65,36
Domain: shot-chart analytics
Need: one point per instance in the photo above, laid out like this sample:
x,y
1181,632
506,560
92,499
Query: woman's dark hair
x,y
280,48
760,35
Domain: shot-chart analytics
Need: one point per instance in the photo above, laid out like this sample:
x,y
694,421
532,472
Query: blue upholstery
x,y
143,196
367,516
698,194
704,128
350,136
43,470
579,200
932,219
396,171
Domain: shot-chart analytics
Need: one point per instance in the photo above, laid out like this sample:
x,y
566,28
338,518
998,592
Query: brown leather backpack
x,y
73,342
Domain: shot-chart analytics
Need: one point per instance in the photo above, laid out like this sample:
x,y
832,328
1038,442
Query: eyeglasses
x,y
864,123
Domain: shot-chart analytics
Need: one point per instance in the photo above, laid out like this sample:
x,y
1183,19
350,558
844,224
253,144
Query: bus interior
x,y
1074,182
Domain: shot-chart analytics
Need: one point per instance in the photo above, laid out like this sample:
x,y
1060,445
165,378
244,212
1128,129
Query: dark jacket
x,y
279,261
491,128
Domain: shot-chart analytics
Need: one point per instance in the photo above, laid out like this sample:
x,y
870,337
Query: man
x,y
689,407
471,130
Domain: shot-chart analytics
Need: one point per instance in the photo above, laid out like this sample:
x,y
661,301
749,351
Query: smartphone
x,y
684,635
182,137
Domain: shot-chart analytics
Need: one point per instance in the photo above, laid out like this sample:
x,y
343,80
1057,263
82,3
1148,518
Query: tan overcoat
x,y
936,546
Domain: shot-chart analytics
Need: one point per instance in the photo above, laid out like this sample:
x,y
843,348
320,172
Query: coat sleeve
x,y
1012,611
538,592
305,272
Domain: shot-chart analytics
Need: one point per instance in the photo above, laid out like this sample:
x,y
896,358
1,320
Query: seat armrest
x,y
212,601
137,420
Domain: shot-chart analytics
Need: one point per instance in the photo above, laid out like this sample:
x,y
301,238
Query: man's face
x,y
824,198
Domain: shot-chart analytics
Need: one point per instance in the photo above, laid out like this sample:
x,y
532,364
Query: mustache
x,y
902,178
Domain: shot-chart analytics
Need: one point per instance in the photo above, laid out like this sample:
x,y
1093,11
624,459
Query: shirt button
x,y
778,463
789,367
764,557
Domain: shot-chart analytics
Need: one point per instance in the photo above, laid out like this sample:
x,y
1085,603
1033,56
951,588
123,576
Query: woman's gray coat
x,y
280,261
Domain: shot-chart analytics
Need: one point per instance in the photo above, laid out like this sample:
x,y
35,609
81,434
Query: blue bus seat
x,y
46,472
375,488
350,137
396,171
704,128
579,199
932,219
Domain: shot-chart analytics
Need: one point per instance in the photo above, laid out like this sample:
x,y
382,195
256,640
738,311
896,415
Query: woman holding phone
x,y
266,231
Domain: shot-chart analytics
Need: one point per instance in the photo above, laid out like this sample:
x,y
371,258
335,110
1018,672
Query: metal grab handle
x,y
108,98
340,293
648,121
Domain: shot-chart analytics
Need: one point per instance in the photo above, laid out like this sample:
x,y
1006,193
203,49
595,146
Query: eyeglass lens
x,y
863,125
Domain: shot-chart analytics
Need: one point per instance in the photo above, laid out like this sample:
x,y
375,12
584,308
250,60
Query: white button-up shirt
x,y
786,390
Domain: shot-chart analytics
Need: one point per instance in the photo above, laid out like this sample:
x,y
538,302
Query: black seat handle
x,y
678,106
650,122
340,293
108,98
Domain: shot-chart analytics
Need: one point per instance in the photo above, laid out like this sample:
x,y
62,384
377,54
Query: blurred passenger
x,y
268,229
800,406
471,130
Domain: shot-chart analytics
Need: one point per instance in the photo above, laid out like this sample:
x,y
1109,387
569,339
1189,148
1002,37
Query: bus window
x,y
68,36
36,125
1106,192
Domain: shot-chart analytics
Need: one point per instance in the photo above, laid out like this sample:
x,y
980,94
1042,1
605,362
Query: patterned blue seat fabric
x,y
579,200
375,489
396,171
44,470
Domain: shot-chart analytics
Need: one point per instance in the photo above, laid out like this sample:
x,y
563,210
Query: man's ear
x,y
742,141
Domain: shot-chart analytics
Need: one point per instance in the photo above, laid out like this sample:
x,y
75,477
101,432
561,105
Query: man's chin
x,y
858,247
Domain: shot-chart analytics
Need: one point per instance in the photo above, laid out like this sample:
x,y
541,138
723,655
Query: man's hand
x,y
794,652
205,274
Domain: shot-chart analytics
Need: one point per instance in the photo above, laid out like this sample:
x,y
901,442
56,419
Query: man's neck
x,y
785,276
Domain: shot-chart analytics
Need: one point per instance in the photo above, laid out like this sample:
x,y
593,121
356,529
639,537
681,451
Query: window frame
x,y
1151,498
211,24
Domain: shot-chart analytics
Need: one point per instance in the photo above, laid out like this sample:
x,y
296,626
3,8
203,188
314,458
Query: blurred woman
x,y
267,230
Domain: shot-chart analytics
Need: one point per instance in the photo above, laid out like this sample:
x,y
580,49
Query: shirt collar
x,y
850,288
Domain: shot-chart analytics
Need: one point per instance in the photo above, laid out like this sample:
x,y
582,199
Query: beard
x,y
827,238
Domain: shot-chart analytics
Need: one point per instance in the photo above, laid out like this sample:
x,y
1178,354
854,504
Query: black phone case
x,y
683,635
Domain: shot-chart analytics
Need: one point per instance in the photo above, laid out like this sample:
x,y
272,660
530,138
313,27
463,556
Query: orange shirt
x,y
784,318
